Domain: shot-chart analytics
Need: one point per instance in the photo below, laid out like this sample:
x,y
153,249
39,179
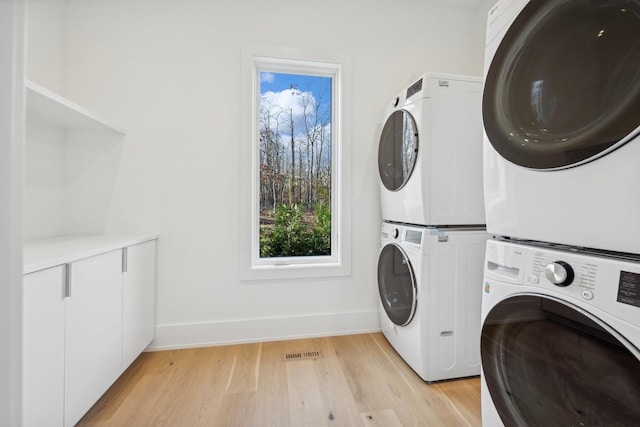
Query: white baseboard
x,y
205,334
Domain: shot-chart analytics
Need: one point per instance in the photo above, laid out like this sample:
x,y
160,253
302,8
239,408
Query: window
x,y
294,187
294,148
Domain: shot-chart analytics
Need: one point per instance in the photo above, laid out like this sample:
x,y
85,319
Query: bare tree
x,y
270,155
307,169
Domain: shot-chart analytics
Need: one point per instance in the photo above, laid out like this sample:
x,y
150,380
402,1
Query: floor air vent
x,y
303,355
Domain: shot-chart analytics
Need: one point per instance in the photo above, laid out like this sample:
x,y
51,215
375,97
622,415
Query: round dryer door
x,y
564,84
398,150
547,362
397,284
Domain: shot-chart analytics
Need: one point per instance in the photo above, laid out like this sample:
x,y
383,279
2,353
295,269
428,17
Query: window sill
x,y
294,271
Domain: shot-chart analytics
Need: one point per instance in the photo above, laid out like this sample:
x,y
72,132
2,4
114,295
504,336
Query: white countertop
x,y
40,254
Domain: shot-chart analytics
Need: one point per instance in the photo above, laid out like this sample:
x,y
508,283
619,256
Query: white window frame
x,y
294,61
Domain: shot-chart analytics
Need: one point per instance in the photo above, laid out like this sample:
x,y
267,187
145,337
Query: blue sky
x,y
319,86
275,90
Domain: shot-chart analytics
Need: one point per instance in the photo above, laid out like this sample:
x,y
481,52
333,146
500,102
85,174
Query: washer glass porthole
x,y
396,284
398,150
547,362
563,87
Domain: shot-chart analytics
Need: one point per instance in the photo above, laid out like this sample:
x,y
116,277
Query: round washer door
x,y
398,150
396,284
563,87
547,362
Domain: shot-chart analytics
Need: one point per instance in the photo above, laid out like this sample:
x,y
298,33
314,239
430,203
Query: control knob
x,y
559,273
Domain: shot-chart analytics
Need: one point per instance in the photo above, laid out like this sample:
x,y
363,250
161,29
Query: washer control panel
x,y
552,268
608,282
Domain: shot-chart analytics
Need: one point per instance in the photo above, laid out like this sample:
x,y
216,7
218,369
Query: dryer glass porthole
x,y
397,284
398,150
564,84
547,362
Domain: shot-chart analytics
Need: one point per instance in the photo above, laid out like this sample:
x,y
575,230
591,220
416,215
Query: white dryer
x,y
560,342
430,284
430,153
561,111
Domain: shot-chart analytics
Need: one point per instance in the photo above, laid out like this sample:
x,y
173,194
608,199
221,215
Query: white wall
x,y
46,52
169,72
45,197
11,144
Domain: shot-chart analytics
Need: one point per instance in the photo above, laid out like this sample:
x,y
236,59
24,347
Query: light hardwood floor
x,y
356,380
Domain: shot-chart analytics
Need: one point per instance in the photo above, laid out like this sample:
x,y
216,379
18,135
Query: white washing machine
x,y
561,111
430,153
430,284
560,342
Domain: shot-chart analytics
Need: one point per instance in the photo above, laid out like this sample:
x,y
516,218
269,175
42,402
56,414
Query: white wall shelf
x,y
51,108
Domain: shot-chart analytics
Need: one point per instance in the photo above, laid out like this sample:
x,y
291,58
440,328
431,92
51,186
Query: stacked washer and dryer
x,y
560,340
433,231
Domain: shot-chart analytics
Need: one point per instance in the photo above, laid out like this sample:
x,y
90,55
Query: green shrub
x,y
321,233
291,237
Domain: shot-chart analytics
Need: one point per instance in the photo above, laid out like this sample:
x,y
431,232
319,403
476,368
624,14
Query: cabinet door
x,y
94,332
43,312
139,300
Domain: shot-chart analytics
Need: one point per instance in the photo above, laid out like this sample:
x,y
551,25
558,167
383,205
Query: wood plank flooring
x,y
356,380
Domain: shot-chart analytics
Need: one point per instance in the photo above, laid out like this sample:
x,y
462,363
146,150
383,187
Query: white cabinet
x,y
43,314
88,312
139,300
93,348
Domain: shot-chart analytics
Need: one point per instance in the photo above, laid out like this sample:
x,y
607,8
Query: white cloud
x,y
283,105
267,77
289,103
